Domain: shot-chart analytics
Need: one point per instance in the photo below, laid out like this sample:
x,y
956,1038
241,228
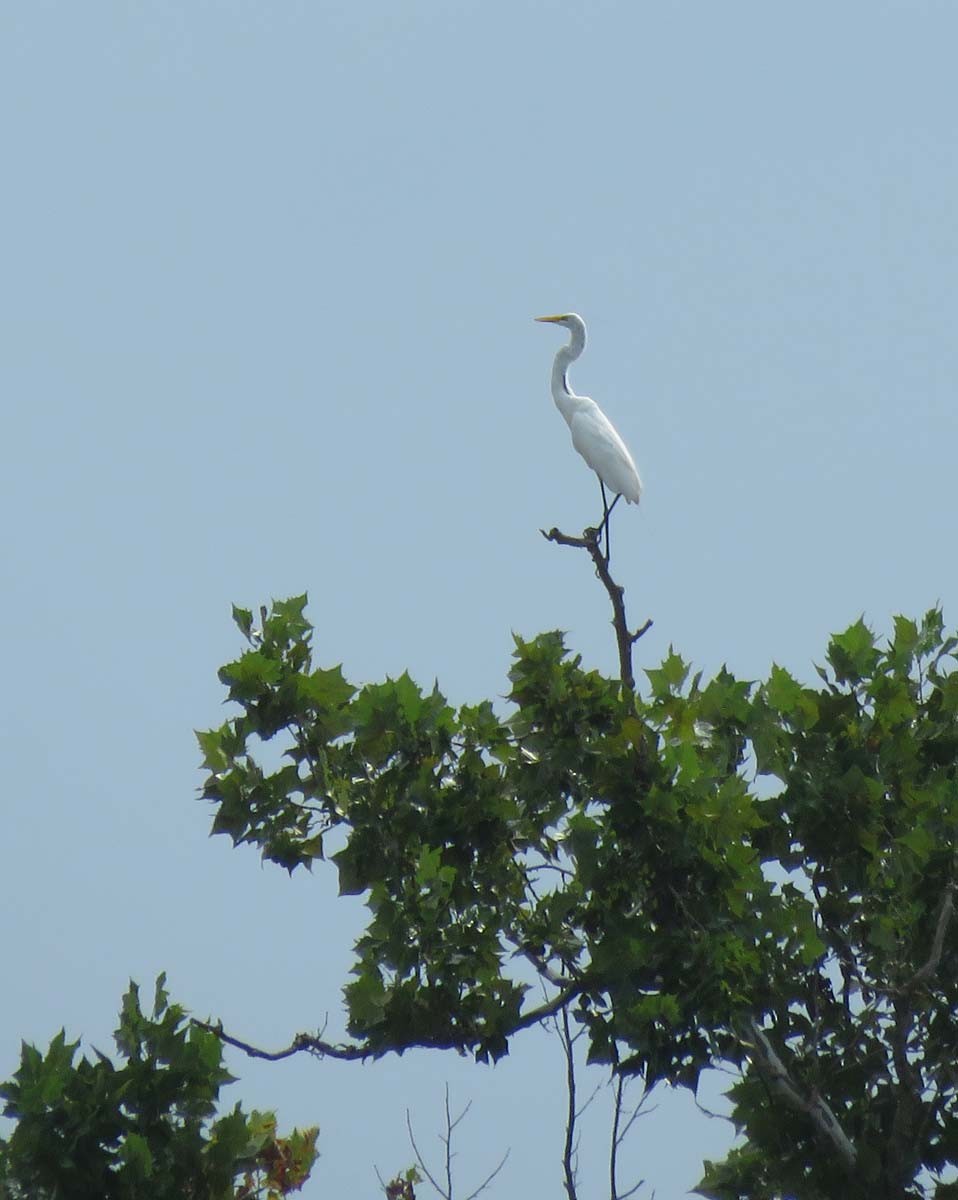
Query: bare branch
x,y
490,1177
771,1067
446,1138
625,639
619,1130
708,1112
618,1084
421,1161
314,1044
569,1147
302,1041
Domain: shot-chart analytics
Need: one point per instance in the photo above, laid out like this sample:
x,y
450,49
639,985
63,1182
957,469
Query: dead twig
x,y
570,1144
620,1130
625,638
446,1193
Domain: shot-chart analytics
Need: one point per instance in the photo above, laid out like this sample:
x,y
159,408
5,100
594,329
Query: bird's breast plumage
x,y
596,439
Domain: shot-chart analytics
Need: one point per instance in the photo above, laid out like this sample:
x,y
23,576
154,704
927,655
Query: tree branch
x,y
625,639
302,1041
620,1130
446,1139
812,1105
911,1083
313,1044
945,913
422,1162
569,1146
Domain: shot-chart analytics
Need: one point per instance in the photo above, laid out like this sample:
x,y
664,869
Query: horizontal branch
x,y
313,1044
302,1041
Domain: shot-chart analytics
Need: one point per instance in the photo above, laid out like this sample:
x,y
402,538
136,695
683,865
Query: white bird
x,y
593,434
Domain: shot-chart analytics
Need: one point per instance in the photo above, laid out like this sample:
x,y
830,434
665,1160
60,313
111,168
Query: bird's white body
x,y
593,434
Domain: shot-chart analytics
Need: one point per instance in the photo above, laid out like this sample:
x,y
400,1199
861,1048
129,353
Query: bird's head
x,y
571,321
576,327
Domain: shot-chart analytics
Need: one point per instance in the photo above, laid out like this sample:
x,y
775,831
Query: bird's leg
x,y
605,520
606,513
608,549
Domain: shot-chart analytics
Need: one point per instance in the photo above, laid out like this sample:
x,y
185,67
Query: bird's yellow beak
x,y
557,317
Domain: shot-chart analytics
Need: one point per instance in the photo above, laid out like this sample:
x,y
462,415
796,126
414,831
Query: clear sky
x,y
269,273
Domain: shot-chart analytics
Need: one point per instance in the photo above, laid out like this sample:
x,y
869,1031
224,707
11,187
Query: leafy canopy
x,y
627,850
92,1130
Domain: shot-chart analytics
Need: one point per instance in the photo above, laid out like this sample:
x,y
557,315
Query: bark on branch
x,y
625,638
771,1067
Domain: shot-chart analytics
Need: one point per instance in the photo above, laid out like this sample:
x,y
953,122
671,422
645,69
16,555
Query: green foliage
x,y
620,845
91,1130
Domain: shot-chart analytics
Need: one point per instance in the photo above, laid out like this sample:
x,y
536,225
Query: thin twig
x,y
490,1177
568,1150
421,1161
620,1131
446,1139
708,1112
616,1139
625,639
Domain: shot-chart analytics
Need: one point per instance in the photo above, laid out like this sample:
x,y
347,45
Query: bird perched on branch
x,y
593,434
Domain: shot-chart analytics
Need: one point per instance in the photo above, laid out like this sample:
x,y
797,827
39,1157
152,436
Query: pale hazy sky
x,y
269,278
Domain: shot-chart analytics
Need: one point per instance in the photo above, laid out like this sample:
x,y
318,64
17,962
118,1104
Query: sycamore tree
x,y
754,876
757,876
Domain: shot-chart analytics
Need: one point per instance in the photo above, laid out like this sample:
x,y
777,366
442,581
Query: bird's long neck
x,y
566,400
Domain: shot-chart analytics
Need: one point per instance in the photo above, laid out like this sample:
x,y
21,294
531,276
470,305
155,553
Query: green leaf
x,y
161,997
852,654
905,641
136,1157
252,675
919,841
326,688
790,699
243,619
366,999
430,861
211,743
668,679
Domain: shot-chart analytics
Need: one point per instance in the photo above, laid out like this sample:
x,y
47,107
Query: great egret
x,y
593,434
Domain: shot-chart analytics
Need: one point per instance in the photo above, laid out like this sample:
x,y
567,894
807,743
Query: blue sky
x,y
270,272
